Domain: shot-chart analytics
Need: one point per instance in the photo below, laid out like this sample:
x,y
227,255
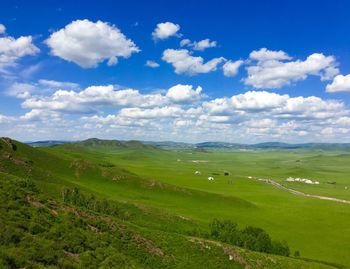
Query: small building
x,y
197,173
210,178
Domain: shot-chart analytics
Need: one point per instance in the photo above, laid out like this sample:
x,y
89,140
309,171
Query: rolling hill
x,y
86,209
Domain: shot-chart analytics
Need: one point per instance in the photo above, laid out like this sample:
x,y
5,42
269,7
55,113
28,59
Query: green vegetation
x,y
252,238
127,203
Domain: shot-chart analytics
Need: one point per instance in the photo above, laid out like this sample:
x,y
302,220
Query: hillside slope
x,y
87,231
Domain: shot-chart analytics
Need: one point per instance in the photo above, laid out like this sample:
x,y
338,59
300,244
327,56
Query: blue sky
x,y
240,71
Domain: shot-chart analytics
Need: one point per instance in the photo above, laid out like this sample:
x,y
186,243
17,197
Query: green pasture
x,y
165,180
319,229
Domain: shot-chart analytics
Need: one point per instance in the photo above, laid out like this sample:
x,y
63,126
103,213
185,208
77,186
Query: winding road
x,y
280,186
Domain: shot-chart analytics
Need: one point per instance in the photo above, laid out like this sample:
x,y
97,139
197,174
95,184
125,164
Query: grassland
x,y
164,181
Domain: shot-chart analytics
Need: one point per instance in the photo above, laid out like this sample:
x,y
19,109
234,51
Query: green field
x,y
164,181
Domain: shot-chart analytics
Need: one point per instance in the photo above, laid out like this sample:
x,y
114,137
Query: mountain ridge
x,y
95,142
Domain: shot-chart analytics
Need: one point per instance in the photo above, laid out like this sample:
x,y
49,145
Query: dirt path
x,y
280,186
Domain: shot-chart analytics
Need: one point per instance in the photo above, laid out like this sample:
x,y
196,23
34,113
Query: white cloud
x,y
114,121
58,84
2,28
3,119
26,90
87,43
91,98
31,115
266,55
11,49
152,64
184,93
339,84
261,123
95,97
204,44
185,63
165,30
21,90
311,107
258,100
40,115
180,114
185,42
231,68
276,106
270,71
250,101
200,45
157,112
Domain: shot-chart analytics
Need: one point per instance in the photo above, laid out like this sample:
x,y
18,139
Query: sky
x,y
237,71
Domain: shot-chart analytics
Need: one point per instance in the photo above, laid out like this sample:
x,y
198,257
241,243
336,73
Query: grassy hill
x,y
136,218
105,145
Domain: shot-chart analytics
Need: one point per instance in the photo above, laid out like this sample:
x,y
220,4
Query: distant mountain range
x,y
47,143
273,145
94,142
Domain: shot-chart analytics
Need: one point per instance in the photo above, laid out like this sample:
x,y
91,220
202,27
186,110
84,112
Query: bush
x,y
76,198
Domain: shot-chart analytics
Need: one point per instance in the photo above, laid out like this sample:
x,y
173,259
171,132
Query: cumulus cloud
x,y
181,111
185,63
89,43
249,101
12,49
2,28
310,108
184,93
267,55
91,98
200,45
152,64
270,70
204,44
231,68
94,97
40,115
339,84
165,30
262,104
